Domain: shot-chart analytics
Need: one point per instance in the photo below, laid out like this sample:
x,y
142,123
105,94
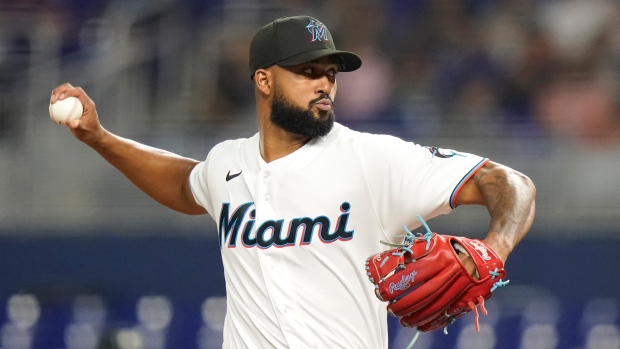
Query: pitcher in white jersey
x,y
301,204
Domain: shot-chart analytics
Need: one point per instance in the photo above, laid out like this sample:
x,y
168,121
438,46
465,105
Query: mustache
x,y
323,96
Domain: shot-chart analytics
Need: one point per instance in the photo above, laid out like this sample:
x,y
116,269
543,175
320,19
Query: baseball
x,y
64,111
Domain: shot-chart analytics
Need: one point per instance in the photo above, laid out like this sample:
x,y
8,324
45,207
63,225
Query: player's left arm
x,y
509,197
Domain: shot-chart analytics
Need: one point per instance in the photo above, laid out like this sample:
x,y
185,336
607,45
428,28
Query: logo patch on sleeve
x,y
442,153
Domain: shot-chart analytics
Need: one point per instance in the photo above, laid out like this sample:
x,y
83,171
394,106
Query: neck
x,y
276,143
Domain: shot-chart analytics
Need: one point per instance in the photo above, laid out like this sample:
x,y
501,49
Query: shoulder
x,y
231,146
364,138
381,146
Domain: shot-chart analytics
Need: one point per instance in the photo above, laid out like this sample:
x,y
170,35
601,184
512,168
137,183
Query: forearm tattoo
x,y
509,198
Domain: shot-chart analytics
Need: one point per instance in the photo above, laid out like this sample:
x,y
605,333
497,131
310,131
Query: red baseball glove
x,y
425,283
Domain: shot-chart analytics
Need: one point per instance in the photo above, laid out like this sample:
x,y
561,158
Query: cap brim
x,y
347,61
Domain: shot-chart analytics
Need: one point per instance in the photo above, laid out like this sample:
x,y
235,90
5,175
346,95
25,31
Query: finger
x,y
60,92
469,265
67,90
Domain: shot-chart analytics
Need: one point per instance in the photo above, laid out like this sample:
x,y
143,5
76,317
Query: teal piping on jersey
x,y
463,180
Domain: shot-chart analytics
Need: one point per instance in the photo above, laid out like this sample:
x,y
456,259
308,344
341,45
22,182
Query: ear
x,y
263,81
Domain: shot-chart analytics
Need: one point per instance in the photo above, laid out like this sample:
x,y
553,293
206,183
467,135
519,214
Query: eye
x,y
332,73
308,70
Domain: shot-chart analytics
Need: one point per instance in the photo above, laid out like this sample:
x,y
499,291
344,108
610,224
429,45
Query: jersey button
x,y
267,196
266,174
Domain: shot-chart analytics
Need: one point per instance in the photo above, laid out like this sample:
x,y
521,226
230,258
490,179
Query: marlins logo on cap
x,y
317,29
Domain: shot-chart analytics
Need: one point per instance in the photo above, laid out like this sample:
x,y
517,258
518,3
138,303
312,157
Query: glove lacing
x,y
410,238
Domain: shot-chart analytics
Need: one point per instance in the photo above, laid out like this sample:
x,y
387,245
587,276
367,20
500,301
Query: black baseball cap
x,y
294,40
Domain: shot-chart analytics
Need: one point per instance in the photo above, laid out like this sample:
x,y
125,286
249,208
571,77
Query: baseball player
x,y
301,204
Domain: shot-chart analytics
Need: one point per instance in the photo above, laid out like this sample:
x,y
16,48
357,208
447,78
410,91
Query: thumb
x,y
74,124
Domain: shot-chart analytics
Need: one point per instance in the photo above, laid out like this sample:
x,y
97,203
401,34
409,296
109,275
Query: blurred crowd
x,y
480,67
533,84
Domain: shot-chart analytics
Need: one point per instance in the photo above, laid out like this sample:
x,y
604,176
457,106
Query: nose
x,y
325,84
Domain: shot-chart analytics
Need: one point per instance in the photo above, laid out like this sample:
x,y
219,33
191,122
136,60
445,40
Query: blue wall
x,y
188,270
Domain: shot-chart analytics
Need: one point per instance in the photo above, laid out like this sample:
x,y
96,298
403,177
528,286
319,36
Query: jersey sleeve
x,y
406,180
199,184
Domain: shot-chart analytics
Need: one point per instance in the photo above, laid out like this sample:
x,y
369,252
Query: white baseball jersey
x,y
295,233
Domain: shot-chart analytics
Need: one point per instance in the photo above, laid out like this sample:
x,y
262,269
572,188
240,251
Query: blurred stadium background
x,y
87,261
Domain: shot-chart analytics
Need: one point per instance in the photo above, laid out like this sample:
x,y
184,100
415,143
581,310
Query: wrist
x,y
98,139
501,246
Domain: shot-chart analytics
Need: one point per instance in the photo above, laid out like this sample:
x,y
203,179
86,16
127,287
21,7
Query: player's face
x,y
303,98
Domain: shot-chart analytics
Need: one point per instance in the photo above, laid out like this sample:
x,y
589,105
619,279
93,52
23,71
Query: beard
x,y
303,122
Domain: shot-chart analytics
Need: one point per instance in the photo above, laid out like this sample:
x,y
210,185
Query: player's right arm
x,y
162,175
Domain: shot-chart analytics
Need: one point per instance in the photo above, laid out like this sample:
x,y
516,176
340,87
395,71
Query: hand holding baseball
x,y
72,107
